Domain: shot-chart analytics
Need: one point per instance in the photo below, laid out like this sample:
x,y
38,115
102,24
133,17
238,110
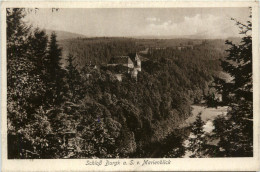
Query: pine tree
x,y
16,31
197,139
54,72
38,41
73,80
239,64
37,54
27,123
17,44
235,130
175,144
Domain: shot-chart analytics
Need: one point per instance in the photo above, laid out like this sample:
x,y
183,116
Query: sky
x,y
131,22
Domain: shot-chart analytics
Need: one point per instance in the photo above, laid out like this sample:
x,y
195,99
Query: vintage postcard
x,y
130,86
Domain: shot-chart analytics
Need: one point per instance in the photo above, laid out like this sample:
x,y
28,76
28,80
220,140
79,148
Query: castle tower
x,y
138,62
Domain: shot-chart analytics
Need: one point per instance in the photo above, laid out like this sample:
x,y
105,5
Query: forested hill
x,y
100,49
62,35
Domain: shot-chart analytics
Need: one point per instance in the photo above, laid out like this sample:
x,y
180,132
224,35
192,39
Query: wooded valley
x,y
60,107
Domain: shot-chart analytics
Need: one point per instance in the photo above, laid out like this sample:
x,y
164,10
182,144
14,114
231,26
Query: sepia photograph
x,y
129,83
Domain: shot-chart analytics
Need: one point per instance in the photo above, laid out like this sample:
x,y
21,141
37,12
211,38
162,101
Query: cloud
x,y
205,25
153,19
138,22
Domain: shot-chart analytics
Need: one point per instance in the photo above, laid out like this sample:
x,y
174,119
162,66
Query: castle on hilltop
x,y
130,64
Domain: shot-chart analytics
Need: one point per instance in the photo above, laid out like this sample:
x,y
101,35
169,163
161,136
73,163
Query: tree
x,y
38,41
174,146
197,139
37,54
54,72
235,130
16,31
239,64
74,80
27,122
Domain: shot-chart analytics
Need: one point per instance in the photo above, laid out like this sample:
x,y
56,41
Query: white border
x,y
184,164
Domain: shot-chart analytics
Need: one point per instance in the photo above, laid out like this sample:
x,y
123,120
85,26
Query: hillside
x,y
62,35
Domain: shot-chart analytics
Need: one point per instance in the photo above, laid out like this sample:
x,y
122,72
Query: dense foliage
x,y
100,50
233,133
197,139
73,110
97,50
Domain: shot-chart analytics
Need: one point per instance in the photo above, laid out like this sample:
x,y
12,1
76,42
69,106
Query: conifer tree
x,y
38,41
16,32
37,54
73,80
197,139
55,74
17,68
27,123
235,130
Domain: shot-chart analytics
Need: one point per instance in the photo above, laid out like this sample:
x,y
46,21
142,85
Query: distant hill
x,y
62,35
196,36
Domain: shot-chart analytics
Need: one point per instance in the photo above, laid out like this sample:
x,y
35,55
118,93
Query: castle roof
x,y
120,60
133,57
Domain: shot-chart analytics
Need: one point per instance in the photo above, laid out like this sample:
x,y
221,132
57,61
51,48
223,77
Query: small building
x,y
119,77
185,47
180,48
218,97
89,68
134,73
93,67
160,48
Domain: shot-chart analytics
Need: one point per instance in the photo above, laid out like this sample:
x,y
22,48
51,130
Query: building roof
x,y
143,59
120,60
133,57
